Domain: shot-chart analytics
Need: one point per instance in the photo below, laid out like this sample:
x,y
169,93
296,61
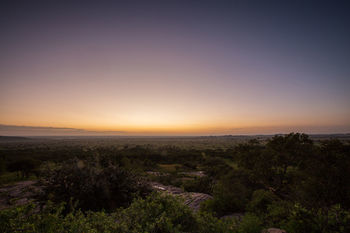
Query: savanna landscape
x,y
293,182
166,116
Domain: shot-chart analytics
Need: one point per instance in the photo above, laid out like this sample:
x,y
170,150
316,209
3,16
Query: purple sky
x,y
181,68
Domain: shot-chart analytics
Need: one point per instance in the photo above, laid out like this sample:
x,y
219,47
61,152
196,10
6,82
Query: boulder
x,y
274,230
191,199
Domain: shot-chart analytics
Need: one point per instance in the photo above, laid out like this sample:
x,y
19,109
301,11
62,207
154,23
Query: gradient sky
x,y
174,67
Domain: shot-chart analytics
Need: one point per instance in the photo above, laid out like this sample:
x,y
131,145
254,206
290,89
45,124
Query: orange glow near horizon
x,y
156,102
181,70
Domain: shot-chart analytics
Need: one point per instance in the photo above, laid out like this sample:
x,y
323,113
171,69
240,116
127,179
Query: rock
x,y
237,216
19,193
196,173
191,199
166,188
194,200
274,230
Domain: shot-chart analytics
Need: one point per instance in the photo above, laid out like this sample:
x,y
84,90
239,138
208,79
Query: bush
x,y
165,213
93,187
334,220
171,178
156,213
199,184
24,166
295,218
52,220
250,224
230,194
216,167
261,199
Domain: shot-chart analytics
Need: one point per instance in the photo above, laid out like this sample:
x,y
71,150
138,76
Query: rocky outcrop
x,y
274,230
191,199
19,193
194,174
194,200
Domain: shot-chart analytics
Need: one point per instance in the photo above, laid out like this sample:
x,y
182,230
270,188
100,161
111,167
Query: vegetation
x,y
156,213
287,181
92,185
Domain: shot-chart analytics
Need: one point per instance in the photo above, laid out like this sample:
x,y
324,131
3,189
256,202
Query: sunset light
x,y
182,69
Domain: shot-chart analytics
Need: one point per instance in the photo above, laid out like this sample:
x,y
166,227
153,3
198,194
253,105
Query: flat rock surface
x,y
193,200
19,193
274,230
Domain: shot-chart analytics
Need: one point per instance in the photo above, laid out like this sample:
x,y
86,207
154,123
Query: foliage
x,y
216,167
93,186
301,219
260,201
286,181
250,224
51,219
199,184
271,166
231,194
156,213
326,177
24,166
171,178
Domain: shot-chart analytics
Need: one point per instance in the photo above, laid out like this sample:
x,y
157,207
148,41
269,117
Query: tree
x,y
94,187
24,166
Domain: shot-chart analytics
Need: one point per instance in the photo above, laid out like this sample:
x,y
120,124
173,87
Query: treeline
x,y
288,182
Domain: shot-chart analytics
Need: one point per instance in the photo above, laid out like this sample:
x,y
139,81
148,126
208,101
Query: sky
x,y
174,67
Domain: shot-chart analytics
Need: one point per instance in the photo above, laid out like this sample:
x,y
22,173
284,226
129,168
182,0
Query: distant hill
x,y
13,138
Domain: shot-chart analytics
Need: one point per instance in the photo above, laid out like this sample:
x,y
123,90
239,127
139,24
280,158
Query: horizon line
x,y
47,131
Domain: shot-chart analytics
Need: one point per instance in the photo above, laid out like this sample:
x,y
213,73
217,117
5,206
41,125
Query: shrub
x,y
199,184
333,220
156,213
94,188
52,220
165,213
24,166
261,199
230,194
250,224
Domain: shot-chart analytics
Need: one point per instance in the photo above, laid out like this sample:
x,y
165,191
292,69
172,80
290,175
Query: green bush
x,y
260,200
165,213
199,184
230,194
333,220
171,178
93,187
24,167
51,219
250,224
156,213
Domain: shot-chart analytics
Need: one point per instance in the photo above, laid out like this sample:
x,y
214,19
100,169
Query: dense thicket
x,y
93,185
288,182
